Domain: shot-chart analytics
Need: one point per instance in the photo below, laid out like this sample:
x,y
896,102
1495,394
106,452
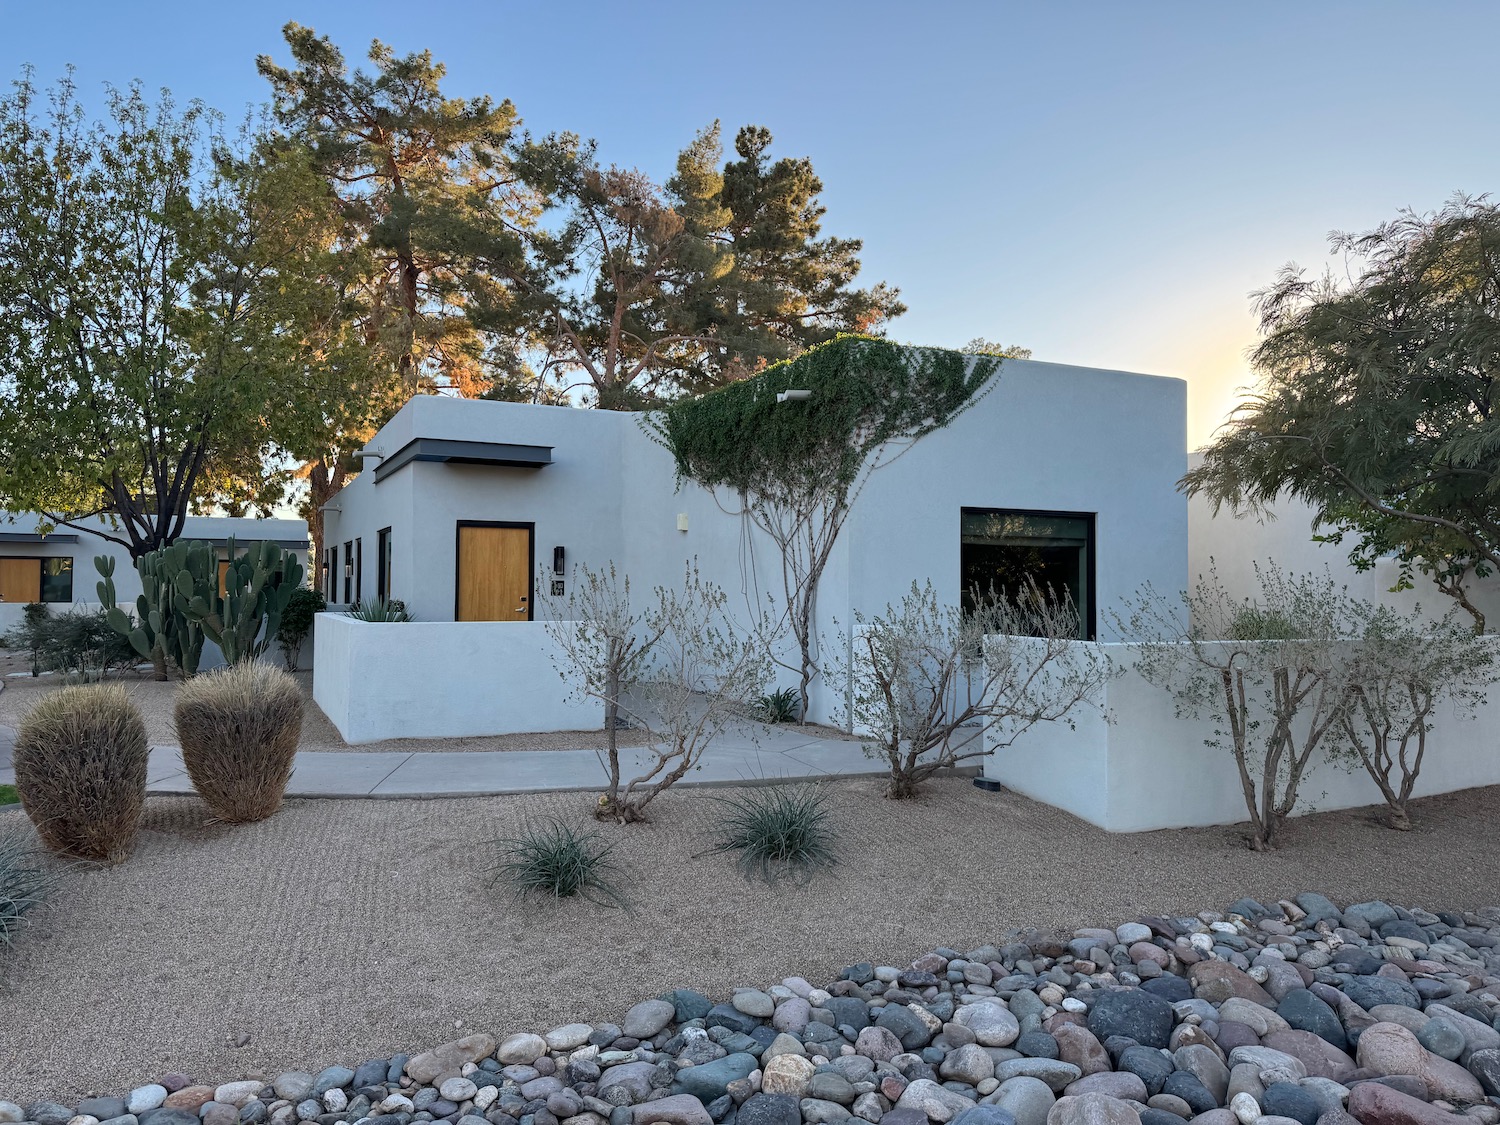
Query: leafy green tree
x,y
980,346
1376,400
147,329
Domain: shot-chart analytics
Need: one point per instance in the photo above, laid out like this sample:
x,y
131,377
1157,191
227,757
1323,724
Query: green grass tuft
x,y
777,830
24,883
779,707
558,860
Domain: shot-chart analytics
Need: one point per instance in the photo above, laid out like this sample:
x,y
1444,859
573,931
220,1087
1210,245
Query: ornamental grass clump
x,y
777,830
239,727
558,860
80,762
24,884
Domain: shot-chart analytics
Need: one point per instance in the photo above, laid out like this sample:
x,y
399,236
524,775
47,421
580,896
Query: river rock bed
x,y
1296,1013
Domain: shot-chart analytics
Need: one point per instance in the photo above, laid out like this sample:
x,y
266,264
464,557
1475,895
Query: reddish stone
x,y
1375,1104
1217,981
190,1097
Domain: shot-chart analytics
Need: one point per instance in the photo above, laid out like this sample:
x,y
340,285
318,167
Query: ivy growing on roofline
x,y
866,392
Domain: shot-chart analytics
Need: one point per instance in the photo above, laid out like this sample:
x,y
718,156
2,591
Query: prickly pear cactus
x,y
257,587
161,628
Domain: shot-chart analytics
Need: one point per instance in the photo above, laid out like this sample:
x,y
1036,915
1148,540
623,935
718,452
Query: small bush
x,y
80,762
777,829
24,884
297,622
556,859
779,706
378,609
239,726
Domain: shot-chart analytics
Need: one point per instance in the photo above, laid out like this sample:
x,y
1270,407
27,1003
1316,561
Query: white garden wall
x,y
1145,768
442,679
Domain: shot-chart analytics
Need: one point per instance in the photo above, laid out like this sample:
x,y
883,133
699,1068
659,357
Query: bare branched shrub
x,y
1401,668
239,726
1272,673
680,668
924,673
80,762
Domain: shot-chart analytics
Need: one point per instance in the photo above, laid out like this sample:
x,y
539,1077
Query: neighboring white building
x,y
1067,472
58,568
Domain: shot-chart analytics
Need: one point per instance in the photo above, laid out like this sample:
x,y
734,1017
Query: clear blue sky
x,y
1102,182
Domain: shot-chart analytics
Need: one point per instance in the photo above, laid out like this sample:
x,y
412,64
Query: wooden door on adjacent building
x,y
21,580
494,572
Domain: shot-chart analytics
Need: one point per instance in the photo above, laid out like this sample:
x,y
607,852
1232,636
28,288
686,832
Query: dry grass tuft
x,y
239,727
80,762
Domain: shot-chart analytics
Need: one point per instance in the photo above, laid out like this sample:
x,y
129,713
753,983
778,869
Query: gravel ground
x,y
155,699
344,930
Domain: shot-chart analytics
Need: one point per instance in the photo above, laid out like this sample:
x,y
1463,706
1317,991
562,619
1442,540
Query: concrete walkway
x,y
775,754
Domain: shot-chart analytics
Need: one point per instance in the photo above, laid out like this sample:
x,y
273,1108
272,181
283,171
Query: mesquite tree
x,y
678,667
1272,674
1401,668
931,681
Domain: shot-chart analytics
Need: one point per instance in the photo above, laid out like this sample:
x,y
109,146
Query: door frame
x,y
458,531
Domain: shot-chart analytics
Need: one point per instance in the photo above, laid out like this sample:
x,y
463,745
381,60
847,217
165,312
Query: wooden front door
x,y
21,580
494,572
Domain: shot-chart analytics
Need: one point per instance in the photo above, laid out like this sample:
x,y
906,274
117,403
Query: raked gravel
x,y
343,931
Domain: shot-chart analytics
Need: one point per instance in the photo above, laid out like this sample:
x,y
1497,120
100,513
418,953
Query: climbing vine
x,y
797,466
866,393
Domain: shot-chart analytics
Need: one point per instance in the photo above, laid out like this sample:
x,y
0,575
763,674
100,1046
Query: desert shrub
x,y
558,860
24,884
79,643
778,706
80,762
379,609
238,727
27,634
777,829
297,622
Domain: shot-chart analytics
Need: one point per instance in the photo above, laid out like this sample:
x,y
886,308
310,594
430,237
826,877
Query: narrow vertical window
x,y
359,570
383,564
57,580
348,571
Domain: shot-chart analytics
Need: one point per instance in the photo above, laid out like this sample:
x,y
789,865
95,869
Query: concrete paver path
x,y
781,754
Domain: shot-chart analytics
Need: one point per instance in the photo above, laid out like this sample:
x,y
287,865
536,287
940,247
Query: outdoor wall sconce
x,y
559,560
682,523
793,396
348,570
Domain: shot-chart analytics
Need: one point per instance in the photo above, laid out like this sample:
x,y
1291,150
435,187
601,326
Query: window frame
x,y
347,572
383,564
1088,612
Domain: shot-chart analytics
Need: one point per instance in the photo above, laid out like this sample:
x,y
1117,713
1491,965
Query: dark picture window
x,y
383,563
1003,549
57,580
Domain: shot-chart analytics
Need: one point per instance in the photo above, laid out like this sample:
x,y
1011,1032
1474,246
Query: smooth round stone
x,y
753,1002
1027,1099
1133,1013
1169,1103
1442,1038
458,1090
647,1018
1285,1099
294,1085
143,1098
238,1093
521,1050
1036,1045
991,1023
769,1109
1245,1108
568,1037
1129,933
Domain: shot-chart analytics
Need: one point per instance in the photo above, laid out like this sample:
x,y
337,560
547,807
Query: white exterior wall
x,y
1233,545
1046,437
1146,768
450,679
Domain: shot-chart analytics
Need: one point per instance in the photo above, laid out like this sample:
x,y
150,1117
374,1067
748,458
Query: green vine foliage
x,y
866,392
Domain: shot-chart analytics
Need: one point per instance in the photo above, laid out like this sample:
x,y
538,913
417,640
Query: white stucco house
x,y
57,568
475,511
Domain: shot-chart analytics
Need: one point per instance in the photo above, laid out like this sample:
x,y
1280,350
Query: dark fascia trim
x,y
464,453
33,537
284,544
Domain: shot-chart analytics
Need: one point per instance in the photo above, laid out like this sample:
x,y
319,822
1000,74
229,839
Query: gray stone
x,y
144,1098
294,1085
102,1108
830,1086
165,1116
710,1080
1027,1099
1304,1011
567,1037
769,1109
1287,1100
1112,1083
985,1115
1204,1064
1133,1013
970,1063
1485,1066
647,1018
1092,1109
10,1112
1151,1067
1441,1038
461,1090
878,1043
1368,991
450,1056
992,1023
792,1015
753,1002
1055,1073
816,1111
626,1083
938,1102
48,1113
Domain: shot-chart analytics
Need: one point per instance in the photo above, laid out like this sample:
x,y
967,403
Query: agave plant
x,y
379,609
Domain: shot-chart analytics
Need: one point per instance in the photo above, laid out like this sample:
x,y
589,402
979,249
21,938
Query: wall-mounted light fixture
x,y
682,521
377,453
793,396
348,570
559,560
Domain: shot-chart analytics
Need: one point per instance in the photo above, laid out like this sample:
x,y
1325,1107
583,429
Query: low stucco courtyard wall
x,y
441,679
1132,764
